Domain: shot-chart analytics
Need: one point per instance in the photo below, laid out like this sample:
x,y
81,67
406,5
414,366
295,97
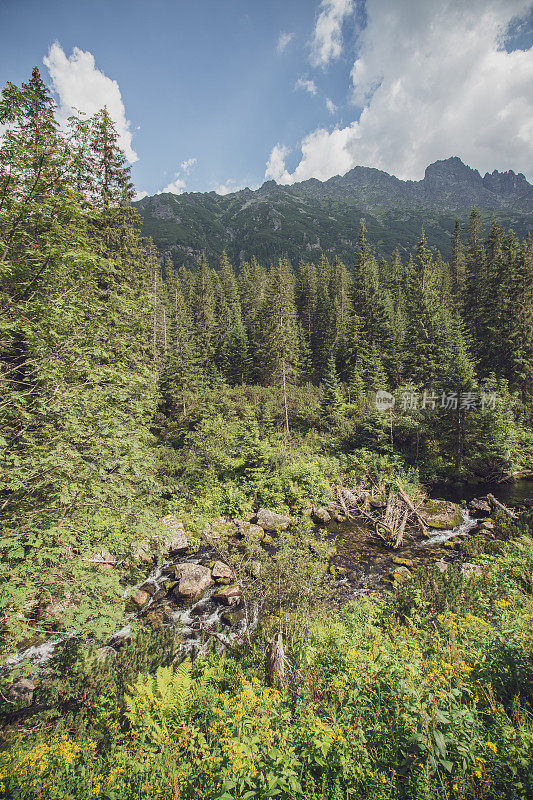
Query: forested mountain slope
x,y
314,217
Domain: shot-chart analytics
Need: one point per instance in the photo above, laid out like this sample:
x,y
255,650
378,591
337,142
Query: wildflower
x,y
492,747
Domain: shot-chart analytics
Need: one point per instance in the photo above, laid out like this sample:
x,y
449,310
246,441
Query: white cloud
x,y
187,165
276,165
308,86
327,36
228,187
140,195
433,81
177,186
81,85
284,40
330,105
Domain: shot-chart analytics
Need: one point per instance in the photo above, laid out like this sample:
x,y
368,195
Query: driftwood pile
x,y
389,518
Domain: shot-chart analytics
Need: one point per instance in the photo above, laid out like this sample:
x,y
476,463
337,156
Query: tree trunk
x,y
275,662
285,401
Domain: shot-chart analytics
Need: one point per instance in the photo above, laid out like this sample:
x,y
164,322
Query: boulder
x,y
233,617
471,569
121,637
141,551
221,572
55,609
21,689
270,521
229,596
137,600
486,524
321,515
105,653
401,575
176,540
441,565
249,529
479,507
441,514
405,562
102,557
193,580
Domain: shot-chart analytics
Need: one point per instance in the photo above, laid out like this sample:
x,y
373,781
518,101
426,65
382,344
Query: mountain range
x,y
313,217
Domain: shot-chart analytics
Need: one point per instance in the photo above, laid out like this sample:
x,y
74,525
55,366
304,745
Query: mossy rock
x,y
452,544
441,514
403,562
401,575
233,617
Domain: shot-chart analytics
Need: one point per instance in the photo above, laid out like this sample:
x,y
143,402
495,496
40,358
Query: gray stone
x,y
21,689
176,540
229,596
401,575
471,569
270,521
193,580
105,653
137,600
221,571
479,507
141,551
255,569
321,515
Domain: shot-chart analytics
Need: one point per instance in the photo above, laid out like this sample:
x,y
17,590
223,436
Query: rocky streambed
x,y
198,591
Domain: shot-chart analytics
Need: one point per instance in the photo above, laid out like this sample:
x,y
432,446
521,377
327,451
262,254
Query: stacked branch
x,y
389,520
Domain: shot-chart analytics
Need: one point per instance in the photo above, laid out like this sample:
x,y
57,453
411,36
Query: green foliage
x,y
425,695
158,703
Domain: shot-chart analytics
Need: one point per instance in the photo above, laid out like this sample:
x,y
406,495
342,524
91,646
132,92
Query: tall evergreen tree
x,y
281,356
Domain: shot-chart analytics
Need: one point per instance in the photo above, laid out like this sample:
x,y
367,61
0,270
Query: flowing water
x,y
362,564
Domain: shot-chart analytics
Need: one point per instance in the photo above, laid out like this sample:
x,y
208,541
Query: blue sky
x,y
208,96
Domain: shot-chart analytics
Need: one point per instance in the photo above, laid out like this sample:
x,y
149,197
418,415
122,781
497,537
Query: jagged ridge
x,y
307,218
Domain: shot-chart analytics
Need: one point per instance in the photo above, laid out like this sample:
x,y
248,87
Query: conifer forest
x,y
266,525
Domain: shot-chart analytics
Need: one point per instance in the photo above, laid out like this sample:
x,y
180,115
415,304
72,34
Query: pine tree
x,y
422,309
252,287
203,306
331,393
281,357
306,297
458,265
232,350
76,355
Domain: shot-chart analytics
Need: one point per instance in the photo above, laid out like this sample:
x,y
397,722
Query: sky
x,y
215,95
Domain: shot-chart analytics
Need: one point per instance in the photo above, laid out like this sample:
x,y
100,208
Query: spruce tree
x,y
281,356
331,393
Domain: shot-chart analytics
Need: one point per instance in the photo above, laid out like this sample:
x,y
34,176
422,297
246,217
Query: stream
x,y
362,564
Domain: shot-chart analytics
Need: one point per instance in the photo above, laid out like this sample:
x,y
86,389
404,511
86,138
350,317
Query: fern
x,y
161,701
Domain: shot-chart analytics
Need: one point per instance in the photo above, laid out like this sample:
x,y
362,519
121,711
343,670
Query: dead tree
x,y
275,662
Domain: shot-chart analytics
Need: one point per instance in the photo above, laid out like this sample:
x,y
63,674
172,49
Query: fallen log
x,y
492,500
413,510
401,529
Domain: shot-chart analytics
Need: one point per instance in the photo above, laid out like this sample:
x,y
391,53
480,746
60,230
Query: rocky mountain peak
x,y
452,171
